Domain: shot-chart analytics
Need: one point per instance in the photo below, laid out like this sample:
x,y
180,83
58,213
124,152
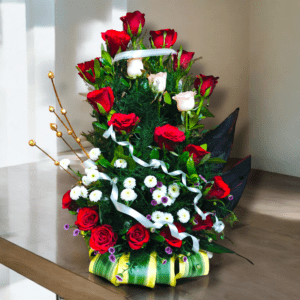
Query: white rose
x,y
134,67
185,101
158,82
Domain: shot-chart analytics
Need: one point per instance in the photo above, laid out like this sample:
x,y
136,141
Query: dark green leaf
x,y
206,113
184,157
97,68
154,154
217,160
105,55
157,237
213,247
104,163
191,166
124,82
101,126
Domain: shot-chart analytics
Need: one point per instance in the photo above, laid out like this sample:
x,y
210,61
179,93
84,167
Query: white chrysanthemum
x,y
218,226
163,189
85,180
157,195
155,163
120,163
172,199
95,196
183,215
93,175
168,202
84,192
128,195
158,216
94,153
174,190
64,163
168,218
150,181
91,168
75,193
129,183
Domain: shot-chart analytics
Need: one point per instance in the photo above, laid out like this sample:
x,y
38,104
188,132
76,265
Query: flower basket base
x,y
147,269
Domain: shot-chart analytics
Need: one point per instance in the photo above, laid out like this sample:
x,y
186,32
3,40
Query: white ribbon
x,y
143,53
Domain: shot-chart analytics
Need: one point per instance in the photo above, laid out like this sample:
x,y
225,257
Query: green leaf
x,y
105,55
87,239
101,109
104,163
90,72
140,29
84,77
184,157
194,178
206,113
191,166
154,154
198,126
167,98
110,114
157,237
174,153
213,247
119,151
108,69
101,126
207,92
217,160
72,212
124,82
97,68
193,120
204,146
205,158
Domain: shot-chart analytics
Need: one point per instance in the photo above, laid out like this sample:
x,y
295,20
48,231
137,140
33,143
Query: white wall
x,y
274,93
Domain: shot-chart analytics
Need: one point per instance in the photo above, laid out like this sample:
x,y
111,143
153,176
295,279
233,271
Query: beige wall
x,y
274,94
219,32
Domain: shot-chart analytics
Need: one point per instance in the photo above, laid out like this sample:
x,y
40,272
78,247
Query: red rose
x,y
68,203
115,40
219,189
168,136
166,233
197,151
202,224
157,37
185,59
123,122
103,238
133,20
84,67
104,96
137,236
208,82
87,219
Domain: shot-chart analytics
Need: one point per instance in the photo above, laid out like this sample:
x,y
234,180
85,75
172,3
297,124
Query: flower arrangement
x,y
152,200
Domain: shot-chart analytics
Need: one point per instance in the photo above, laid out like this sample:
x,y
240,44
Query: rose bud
x,y
219,189
158,82
134,67
197,152
172,241
104,96
185,101
115,40
68,203
158,40
185,59
207,82
85,67
168,136
132,22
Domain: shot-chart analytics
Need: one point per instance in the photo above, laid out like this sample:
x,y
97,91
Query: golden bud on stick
x,y
78,140
70,132
56,163
53,126
58,134
63,111
31,143
51,109
51,75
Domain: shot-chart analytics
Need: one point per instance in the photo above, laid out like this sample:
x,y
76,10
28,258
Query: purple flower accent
x,y
148,217
152,230
164,261
164,199
76,232
159,184
119,278
195,222
112,258
154,202
152,190
66,226
230,197
96,252
169,250
78,210
184,259
196,184
203,178
111,250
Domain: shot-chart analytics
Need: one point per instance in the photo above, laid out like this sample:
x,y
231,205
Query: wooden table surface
x,y
34,243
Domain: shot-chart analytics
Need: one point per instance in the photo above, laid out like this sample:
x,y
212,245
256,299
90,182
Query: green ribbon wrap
x,y
146,269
